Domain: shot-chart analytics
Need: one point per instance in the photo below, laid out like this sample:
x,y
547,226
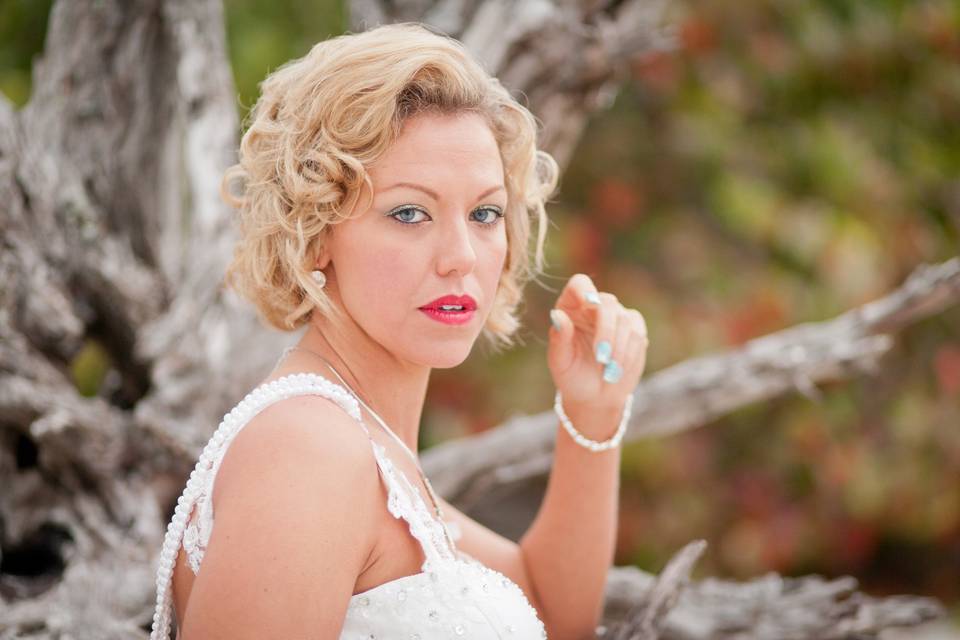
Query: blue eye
x,y
406,215
396,214
497,214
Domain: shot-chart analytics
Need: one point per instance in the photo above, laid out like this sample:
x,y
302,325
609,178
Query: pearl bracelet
x,y
582,440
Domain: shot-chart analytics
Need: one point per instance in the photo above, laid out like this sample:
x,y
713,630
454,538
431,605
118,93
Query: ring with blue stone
x,y
612,372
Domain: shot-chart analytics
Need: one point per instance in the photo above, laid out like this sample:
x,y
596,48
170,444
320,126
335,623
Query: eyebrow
x,y
433,194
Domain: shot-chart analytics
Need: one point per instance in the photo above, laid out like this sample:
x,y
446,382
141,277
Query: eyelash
x,y
393,214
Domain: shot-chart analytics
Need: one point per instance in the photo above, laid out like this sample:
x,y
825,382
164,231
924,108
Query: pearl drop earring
x,y
319,276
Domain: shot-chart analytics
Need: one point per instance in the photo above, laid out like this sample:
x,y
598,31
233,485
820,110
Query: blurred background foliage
x,y
791,160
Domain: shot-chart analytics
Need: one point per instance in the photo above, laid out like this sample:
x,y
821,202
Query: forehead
x,y
441,149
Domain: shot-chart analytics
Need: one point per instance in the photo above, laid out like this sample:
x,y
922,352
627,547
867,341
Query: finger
x,y
615,370
637,342
561,337
605,334
577,297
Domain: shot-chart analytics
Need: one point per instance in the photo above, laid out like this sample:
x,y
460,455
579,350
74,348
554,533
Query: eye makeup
x,y
396,212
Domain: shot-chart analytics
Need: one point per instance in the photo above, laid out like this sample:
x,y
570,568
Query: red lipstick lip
x,y
466,301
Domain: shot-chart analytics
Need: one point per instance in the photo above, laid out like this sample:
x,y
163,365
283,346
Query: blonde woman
x,y
388,188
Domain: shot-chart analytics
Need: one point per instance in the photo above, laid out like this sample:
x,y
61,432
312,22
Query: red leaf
x,y
697,35
616,202
946,363
658,72
856,542
764,313
586,245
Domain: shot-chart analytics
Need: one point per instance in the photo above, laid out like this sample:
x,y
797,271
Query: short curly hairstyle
x,y
321,119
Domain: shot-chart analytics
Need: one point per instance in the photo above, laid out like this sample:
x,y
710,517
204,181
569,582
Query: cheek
x,y
381,263
386,271
499,251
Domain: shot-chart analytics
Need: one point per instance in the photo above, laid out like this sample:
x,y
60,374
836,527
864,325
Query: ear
x,y
323,257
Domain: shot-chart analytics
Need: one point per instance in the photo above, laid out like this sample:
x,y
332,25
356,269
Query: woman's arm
x,y
596,354
569,547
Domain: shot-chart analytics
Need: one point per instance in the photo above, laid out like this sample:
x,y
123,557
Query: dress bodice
x,y
452,596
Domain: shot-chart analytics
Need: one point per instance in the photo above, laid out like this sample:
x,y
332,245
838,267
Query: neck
x,y
396,390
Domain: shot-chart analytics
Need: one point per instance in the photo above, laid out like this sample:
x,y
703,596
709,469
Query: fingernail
x,y
555,319
593,297
603,352
612,372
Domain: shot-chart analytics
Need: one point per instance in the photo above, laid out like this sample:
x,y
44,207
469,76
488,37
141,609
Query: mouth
x,y
452,309
449,316
452,303
449,307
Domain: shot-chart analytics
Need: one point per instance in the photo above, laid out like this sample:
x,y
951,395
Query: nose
x,y
455,250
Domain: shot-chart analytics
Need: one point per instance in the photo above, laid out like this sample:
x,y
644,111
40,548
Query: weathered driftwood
x,y
671,607
113,232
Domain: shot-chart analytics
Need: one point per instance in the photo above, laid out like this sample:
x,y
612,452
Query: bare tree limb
x,y
766,608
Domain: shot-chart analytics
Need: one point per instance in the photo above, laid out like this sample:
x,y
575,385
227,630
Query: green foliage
x,y
264,34
89,367
23,24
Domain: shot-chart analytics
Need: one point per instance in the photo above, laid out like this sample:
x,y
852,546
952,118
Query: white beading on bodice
x,y
453,596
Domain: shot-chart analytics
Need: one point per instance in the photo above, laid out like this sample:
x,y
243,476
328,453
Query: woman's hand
x,y
592,322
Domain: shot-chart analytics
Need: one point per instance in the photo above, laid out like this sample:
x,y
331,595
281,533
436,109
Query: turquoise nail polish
x,y
603,352
612,372
553,319
593,297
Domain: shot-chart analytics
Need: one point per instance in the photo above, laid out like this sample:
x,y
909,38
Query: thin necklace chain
x,y
426,482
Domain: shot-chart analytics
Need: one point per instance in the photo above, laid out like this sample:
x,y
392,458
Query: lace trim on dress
x,y
405,501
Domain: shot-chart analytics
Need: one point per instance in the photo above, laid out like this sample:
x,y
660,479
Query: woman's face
x,y
434,229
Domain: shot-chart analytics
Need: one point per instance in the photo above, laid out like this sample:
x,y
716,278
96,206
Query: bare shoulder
x,y
294,525
297,433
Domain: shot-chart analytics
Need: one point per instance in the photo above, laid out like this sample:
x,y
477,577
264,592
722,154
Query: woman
x,y
388,186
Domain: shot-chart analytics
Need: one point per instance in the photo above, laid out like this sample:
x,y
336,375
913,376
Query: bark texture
x,y
114,237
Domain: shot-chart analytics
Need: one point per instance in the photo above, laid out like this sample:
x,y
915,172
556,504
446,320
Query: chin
x,y
446,355
447,363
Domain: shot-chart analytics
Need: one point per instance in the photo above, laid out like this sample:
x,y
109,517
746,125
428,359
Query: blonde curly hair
x,y
321,119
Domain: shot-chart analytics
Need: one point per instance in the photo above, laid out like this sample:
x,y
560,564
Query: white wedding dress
x,y
453,596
